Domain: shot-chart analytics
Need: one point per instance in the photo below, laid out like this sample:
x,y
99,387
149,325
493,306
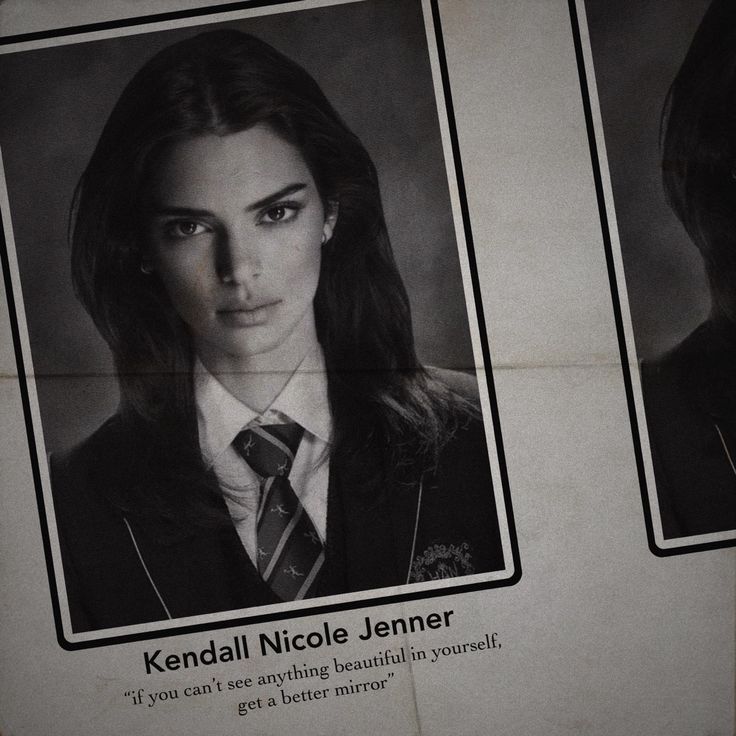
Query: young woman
x,y
690,393
276,438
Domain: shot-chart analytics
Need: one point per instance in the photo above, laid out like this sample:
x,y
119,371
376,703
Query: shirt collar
x,y
220,416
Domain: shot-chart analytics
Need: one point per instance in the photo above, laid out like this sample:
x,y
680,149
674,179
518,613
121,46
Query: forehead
x,y
207,169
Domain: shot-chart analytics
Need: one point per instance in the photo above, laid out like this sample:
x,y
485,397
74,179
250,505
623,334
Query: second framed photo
x,y
665,81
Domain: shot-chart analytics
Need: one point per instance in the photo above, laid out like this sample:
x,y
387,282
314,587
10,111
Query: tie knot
x,y
269,448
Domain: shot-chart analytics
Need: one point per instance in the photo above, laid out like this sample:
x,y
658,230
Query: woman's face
x,y
234,233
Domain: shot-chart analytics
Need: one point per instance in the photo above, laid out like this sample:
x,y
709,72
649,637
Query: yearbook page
x,y
366,366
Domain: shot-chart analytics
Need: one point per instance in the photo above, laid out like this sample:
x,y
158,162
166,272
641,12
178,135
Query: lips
x,y
246,315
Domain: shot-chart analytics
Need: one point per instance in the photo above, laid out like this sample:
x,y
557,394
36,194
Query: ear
x,y
331,211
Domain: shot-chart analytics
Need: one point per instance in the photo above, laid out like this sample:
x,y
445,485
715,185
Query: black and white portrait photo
x,y
666,80
248,316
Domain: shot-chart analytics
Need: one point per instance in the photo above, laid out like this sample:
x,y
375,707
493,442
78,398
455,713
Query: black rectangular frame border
x,y
23,384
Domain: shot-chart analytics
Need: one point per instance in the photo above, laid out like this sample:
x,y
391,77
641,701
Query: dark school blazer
x,y
690,403
120,570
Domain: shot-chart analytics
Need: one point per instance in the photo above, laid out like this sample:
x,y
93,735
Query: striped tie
x,y
289,549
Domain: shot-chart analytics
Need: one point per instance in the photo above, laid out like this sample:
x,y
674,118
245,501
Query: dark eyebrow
x,y
181,211
276,196
260,204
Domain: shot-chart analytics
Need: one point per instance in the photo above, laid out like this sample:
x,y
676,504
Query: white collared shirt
x,y
220,417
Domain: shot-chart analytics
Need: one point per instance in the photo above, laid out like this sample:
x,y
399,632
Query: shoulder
x,y
464,385
698,373
88,481
89,453
110,470
690,403
465,443
464,457
103,454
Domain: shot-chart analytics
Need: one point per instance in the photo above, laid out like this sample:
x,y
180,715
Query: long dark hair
x,y
223,82
699,149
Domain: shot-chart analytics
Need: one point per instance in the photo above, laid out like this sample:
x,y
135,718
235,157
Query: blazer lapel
x,y
405,511
202,571
194,569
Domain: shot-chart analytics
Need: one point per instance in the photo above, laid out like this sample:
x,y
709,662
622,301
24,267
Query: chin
x,y
250,342
243,352
253,347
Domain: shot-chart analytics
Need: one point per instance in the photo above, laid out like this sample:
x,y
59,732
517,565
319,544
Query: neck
x,y
256,380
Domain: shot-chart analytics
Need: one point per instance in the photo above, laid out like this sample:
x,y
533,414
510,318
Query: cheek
x,y
301,273
184,283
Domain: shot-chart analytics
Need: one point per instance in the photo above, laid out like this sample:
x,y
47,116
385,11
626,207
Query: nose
x,y
238,258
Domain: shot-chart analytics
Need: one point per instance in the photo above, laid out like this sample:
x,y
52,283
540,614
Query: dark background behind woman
x,y
637,49
371,61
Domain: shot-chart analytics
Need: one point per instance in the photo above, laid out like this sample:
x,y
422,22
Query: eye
x,y
276,213
279,213
184,229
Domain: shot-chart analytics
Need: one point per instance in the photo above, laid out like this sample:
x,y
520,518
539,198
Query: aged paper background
x,y
600,636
